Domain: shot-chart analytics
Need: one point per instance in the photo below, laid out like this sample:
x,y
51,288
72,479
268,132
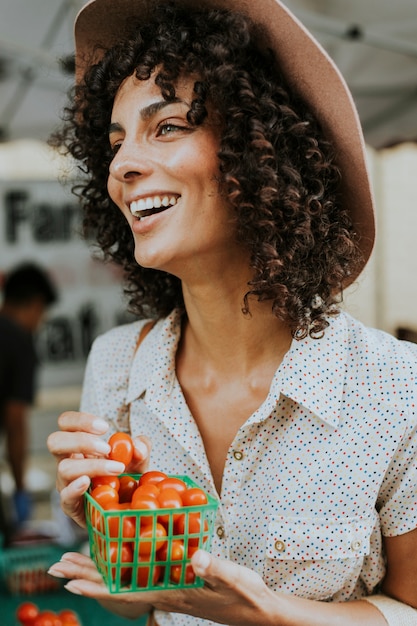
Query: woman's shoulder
x,y
379,344
118,344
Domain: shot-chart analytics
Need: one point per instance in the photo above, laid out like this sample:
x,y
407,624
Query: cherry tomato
x,y
148,489
191,524
144,502
68,617
120,555
152,538
144,571
47,618
175,550
121,445
97,520
106,496
176,573
26,613
153,476
127,485
112,481
194,496
128,526
173,483
169,498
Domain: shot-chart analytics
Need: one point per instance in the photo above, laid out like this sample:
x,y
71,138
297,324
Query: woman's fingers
x,y
63,444
141,454
79,421
70,468
76,565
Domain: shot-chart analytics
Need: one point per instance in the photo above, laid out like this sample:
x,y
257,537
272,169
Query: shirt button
x,y
356,545
279,546
220,531
238,455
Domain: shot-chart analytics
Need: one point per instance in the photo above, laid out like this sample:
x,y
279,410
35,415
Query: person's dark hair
x,y
26,282
276,167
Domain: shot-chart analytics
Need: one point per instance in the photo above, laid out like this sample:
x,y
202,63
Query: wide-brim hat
x,y
308,69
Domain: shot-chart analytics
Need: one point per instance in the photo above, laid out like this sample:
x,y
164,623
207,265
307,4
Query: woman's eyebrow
x,y
146,112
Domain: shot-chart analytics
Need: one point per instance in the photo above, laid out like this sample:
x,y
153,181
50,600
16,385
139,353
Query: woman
x,y
225,172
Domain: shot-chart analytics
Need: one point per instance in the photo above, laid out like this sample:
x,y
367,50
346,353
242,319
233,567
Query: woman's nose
x,y
129,162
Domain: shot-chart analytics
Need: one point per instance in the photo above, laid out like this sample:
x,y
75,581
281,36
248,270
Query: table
x,y
88,610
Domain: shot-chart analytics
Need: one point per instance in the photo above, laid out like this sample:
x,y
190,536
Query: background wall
x,y
385,295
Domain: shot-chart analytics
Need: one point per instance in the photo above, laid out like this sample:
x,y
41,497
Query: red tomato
x,y
169,498
122,555
68,617
191,527
173,483
148,489
128,526
144,571
153,476
26,613
146,542
194,497
97,519
143,502
47,618
176,551
127,485
176,573
106,496
112,481
121,445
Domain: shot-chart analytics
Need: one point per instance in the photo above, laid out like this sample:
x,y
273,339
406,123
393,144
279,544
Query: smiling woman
x,y
225,172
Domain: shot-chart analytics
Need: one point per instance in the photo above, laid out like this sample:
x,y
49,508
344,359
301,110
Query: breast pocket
x,y
316,557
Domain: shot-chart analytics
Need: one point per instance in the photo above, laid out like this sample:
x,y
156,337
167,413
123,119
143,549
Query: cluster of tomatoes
x,y
29,614
158,523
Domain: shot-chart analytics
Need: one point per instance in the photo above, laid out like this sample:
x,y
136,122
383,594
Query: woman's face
x,y
164,178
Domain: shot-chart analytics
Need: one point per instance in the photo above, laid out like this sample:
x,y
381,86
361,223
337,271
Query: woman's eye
x,y
167,128
114,148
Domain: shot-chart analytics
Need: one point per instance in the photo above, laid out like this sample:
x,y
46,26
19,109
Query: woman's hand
x,y
232,594
81,453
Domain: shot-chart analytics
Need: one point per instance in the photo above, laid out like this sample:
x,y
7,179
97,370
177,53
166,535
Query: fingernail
x,y
201,561
73,588
141,448
102,447
114,467
100,426
54,572
81,483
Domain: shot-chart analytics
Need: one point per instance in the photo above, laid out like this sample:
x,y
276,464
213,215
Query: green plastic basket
x,y
24,569
142,559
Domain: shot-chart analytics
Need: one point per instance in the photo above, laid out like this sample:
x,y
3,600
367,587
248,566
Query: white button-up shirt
x,y
315,476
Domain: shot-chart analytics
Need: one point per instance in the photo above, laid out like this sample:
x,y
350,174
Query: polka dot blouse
x,y
313,479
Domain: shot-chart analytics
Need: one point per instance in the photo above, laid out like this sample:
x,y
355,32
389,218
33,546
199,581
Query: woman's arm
x,y
232,595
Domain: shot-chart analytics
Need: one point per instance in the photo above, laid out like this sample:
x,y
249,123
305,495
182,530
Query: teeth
x,y
148,204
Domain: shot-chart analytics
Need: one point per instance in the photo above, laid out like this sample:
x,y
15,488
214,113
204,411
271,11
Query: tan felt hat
x,y
306,66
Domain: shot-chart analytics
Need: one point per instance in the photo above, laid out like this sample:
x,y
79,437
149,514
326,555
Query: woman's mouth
x,y
152,204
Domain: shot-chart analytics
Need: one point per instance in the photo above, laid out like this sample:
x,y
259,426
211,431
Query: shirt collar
x,y
153,365
313,371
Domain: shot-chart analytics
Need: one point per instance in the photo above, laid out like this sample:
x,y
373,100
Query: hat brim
x,y
306,66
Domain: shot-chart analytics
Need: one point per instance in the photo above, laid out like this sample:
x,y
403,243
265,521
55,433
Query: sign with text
x,y
40,221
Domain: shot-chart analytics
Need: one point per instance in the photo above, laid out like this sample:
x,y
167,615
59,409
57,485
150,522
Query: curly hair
x,y
276,167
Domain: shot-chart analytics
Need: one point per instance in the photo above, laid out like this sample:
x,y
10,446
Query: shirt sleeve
x,y
397,502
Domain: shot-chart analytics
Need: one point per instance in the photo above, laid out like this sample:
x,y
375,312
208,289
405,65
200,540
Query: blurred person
x,y
27,294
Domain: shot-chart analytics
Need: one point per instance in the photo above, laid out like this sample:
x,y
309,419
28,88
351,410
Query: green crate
x,y
23,569
137,562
